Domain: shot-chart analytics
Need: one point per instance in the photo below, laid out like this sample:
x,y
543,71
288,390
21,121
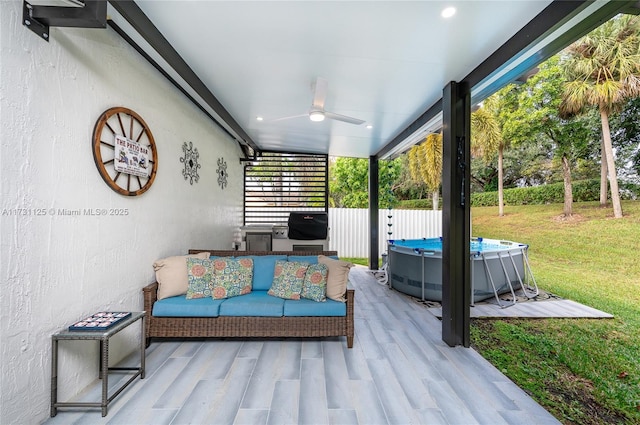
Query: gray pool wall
x,y
405,270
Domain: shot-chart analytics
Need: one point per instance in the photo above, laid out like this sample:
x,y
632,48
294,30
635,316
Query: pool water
x,y
476,244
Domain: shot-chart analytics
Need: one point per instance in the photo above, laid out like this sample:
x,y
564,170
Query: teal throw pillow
x,y
231,277
314,286
199,277
288,278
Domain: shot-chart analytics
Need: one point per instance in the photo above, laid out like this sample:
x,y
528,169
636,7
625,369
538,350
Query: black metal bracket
x,y
249,158
88,14
249,153
41,29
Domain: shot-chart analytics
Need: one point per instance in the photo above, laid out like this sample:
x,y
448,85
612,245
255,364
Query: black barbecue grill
x,y
308,225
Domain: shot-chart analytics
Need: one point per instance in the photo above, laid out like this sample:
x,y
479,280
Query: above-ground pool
x,y
415,268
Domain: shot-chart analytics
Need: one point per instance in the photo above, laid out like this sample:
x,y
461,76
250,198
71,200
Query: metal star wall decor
x,y
190,161
222,173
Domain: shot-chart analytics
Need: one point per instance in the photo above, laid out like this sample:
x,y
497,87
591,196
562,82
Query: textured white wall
x,y
56,269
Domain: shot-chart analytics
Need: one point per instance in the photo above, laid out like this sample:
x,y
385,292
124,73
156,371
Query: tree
x,y
603,70
407,186
431,165
625,136
486,140
537,119
425,164
349,182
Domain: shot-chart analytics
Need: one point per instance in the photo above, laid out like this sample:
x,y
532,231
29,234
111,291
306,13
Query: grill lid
x,y
308,225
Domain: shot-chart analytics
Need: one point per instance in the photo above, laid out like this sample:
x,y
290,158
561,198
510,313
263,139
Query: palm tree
x,y
603,70
414,167
486,140
425,164
431,165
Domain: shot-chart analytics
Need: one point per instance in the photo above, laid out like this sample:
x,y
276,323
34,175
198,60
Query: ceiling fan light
x,y
448,12
316,116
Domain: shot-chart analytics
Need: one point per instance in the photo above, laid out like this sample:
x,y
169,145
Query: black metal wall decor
x,y
190,161
222,173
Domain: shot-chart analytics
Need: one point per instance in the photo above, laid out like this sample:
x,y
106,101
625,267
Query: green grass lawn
x,y
584,371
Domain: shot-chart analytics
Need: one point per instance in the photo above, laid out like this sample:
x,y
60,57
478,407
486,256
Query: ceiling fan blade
x,y
289,117
344,118
319,93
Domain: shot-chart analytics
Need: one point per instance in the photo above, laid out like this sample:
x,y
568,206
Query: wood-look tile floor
x,y
398,372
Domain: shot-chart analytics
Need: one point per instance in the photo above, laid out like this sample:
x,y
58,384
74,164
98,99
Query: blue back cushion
x,y
311,259
263,268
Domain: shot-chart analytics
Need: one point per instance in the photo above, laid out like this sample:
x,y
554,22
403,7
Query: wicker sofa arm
x,y
350,310
150,293
150,296
349,295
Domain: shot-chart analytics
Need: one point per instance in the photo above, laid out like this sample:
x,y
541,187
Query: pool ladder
x,y
527,282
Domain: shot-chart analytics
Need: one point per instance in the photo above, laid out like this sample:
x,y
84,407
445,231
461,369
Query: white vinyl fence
x,y
349,228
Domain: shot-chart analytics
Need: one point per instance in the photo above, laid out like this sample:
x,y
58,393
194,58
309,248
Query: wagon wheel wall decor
x,y
124,125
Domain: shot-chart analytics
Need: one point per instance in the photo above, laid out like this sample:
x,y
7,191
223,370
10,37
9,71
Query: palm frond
x,y
430,160
414,165
486,136
603,68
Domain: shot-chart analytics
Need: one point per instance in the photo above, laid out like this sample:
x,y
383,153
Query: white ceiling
x,y
386,62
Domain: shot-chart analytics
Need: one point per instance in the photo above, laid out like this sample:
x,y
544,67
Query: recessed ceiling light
x,y
259,118
369,126
448,12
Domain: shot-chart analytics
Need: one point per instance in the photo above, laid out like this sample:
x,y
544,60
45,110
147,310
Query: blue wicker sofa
x,y
256,314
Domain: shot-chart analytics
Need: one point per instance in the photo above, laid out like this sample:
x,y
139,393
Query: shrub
x,y
629,190
583,190
416,204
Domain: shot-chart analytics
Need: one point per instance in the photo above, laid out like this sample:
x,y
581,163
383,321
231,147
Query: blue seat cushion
x,y
257,303
180,306
306,307
263,269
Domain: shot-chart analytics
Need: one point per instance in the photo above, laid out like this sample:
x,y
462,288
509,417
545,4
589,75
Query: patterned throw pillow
x,y
231,277
288,278
199,275
314,286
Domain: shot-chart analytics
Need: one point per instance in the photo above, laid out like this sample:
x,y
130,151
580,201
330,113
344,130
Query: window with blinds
x,y
277,183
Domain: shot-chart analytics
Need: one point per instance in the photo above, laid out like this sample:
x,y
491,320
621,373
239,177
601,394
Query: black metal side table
x,y
104,369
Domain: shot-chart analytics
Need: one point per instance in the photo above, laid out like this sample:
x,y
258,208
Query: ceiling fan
x,y
317,112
